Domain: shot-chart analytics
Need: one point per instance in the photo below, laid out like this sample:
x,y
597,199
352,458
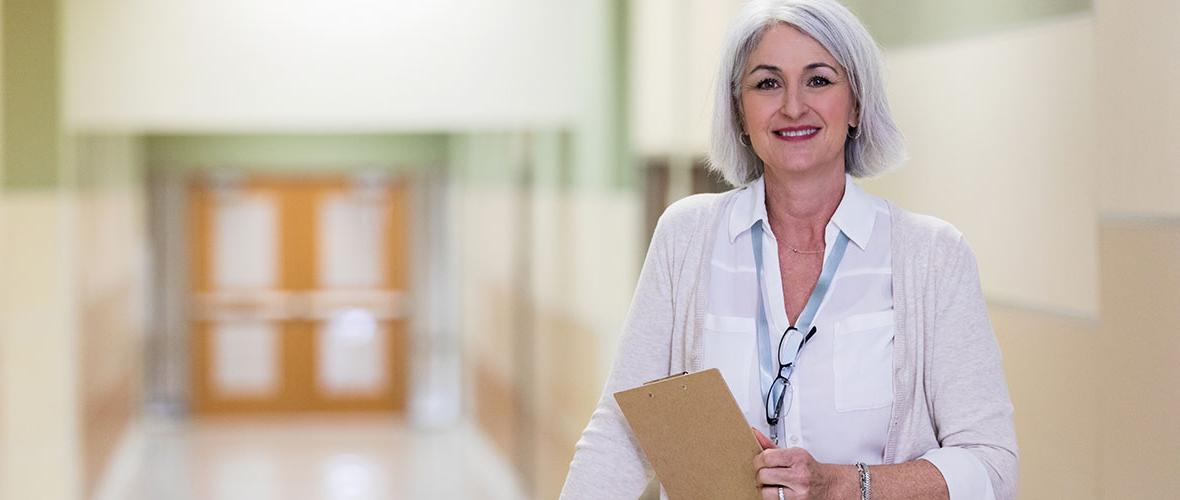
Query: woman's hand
x,y
800,476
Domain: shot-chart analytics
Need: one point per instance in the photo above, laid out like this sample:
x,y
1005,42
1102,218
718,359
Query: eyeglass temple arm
x,y
809,334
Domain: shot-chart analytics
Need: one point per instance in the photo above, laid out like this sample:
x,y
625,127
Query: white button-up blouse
x,y
842,382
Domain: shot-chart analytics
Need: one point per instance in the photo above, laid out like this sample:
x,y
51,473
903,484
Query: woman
x,y
853,333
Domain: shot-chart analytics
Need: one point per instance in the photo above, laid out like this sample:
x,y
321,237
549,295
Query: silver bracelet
x,y
866,488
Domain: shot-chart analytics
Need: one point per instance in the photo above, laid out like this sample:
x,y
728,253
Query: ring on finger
x,y
780,494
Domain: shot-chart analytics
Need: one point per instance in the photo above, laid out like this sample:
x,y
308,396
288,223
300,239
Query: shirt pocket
x,y
863,361
729,345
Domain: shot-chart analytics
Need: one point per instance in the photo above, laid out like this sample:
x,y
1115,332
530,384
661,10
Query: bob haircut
x,y
878,144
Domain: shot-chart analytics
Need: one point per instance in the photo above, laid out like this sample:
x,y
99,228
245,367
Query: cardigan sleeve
x,y
965,387
607,462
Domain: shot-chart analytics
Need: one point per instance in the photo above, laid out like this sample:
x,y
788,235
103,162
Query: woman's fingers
x,y
780,476
791,468
781,457
764,441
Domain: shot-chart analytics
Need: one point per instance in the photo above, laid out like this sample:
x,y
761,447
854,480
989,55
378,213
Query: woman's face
x,y
796,103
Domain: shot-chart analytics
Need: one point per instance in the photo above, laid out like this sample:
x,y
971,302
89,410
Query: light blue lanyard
x,y
803,322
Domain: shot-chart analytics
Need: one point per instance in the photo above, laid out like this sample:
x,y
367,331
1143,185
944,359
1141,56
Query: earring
x,y
744,139
854,133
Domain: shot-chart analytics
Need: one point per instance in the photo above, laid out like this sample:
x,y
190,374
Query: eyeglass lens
x,y
788,346
778,401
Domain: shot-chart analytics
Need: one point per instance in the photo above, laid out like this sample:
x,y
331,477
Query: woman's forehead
x,y
786,47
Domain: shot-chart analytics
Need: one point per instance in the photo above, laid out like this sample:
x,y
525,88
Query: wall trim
x,y
1090,318
1134,219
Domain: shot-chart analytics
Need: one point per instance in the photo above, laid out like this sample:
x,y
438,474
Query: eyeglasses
x,y
789,345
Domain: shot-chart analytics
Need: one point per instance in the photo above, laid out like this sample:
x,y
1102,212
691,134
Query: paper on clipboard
x,y
694,436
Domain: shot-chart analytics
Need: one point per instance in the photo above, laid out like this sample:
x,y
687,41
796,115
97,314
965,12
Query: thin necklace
x,y
805,252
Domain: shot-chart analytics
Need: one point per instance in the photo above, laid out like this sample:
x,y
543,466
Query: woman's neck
x,y
799,206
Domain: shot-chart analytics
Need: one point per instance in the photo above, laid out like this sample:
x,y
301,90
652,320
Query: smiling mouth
x,y
796,134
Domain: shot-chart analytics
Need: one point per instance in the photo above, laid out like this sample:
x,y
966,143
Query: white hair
x,y
878,144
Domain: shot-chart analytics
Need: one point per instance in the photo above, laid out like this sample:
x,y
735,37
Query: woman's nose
x,y
793,105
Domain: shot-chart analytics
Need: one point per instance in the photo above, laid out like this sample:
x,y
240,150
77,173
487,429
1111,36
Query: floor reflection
x,y
304,458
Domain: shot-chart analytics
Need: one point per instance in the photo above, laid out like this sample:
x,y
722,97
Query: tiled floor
x,y
304,458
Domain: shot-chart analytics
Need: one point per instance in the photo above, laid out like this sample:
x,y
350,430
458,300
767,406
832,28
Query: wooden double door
x,y
298,294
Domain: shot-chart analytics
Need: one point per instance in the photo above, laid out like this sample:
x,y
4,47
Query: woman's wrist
x,y
843,482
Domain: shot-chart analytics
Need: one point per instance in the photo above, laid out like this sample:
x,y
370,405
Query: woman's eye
x,y
769,83
818,81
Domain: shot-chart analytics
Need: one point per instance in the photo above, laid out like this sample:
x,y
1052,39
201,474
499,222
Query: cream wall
x,y
1000,131
581,275
71,314
1048,361
38,325
1139,440
1139,111
675,49
110,294
315,66
1138,75
545,271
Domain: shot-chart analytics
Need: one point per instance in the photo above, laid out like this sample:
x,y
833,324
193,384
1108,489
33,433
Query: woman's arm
x,y
965,387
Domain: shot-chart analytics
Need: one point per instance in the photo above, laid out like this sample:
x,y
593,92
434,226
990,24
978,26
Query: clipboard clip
x,y
669,377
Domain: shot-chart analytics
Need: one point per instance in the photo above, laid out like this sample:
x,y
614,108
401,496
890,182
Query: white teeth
x,y
797,133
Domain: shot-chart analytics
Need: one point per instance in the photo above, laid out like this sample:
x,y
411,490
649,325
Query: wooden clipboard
x,y
694,436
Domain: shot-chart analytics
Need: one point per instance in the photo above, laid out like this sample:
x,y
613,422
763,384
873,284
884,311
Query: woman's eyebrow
x,y
822,65
777,70
767,67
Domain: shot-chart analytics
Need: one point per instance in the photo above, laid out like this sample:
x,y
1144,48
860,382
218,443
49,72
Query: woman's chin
x,y
794,167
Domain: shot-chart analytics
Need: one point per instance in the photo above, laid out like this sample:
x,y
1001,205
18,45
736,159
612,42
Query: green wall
x,y
898,23
106,161
31,108
296,152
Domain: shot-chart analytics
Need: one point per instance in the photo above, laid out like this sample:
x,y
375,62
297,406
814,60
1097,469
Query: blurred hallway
x,y
165,334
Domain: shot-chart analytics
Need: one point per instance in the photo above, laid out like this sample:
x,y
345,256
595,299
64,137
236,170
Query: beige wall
x,y
1139,439
1000,131
544,291
38,321
70,349
1138,76
1049,362
1139,177
676,47
110,295
535,401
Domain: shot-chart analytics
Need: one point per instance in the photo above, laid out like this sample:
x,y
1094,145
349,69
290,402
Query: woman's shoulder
x,y
928,242
693,213
923,231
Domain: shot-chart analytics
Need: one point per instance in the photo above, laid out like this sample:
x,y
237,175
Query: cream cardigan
x,y
948,382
